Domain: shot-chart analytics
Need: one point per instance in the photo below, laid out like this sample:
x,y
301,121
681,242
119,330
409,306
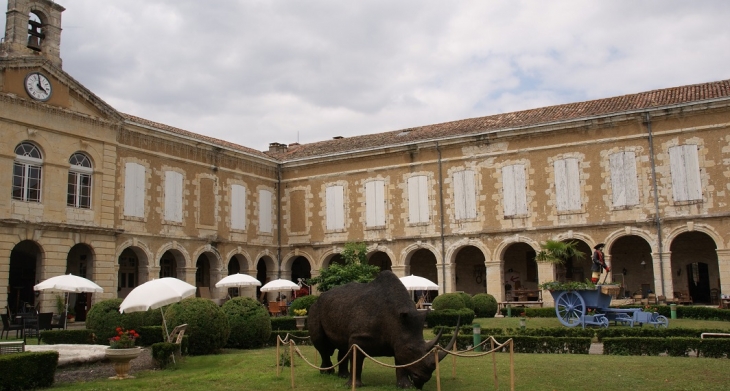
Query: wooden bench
x,y
504,304
12,347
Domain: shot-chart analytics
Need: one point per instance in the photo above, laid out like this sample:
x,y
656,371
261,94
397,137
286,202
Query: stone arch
x,y
244,260
694,266
430,267
374,257
26,266
136,258
328,255
467,258
453,249
612,237
213,256
503,245
269,258
690,227
407,252
570,235
291,256
174,247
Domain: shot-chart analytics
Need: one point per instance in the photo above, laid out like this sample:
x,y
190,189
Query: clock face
x,y
38,86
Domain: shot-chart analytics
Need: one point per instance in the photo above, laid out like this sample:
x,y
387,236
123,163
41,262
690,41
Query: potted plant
x,y
300,316
71,315
121,352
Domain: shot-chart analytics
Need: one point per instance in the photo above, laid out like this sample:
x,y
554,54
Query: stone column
x,y
663,267
447,285
495,280
399,271
546,273
723,262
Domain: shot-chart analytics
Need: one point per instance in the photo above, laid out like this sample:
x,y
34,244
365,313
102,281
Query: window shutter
x,y
335,207
134,189
422,199
508,191
265,211
459,196
173,196
567,184
561,185
375,203
679,174
413,197
464,195
238,207
520,189
618,173
692,170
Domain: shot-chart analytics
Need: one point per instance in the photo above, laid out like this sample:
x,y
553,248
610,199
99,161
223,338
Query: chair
x,y
62,319
420,302
8,327
274,309
30,328
651,298
44,320
714,296
177,334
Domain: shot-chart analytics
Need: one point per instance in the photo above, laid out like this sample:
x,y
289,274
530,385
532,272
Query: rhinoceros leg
x,y
342,370
326,351
358,372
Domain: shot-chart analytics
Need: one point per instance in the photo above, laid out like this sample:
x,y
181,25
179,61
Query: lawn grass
x,y
256,370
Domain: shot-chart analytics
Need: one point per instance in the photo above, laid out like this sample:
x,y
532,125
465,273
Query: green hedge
x,y
672,346
651,332
73,337
544,312
449,317
150,335
283,323
26,371
162,353
529,344
485,305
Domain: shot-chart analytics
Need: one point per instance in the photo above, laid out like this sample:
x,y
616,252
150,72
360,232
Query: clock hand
x,y
40,86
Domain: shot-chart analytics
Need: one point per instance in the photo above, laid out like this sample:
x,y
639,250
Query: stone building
x,y
464,203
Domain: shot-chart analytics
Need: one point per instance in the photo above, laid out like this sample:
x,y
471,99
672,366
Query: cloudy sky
x,y
254,72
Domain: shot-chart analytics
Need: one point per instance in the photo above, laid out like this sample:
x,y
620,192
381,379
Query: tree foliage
x,y
557,252
355,269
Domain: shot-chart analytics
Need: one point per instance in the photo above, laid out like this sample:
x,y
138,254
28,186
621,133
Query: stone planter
x,y
121,359
300,321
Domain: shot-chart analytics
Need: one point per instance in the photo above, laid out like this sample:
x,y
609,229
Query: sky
x,y
255,72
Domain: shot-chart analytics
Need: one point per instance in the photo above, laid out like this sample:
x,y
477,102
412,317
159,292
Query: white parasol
x,y
416,283
279,285
156,294
237,280
68,283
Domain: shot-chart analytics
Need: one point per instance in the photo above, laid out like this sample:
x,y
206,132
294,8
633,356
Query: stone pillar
x,y
662,266
546,273
495,279
399,271
448,285
187,274
723,262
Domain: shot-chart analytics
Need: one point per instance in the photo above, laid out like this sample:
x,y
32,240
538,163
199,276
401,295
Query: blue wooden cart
x,y
592,307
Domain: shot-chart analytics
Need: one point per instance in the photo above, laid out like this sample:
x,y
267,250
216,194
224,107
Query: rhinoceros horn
x,y
450,346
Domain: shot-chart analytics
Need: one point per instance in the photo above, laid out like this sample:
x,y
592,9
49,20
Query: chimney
x,y
277,148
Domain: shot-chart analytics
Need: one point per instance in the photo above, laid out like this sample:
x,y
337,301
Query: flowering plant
x,y
301,312
124,339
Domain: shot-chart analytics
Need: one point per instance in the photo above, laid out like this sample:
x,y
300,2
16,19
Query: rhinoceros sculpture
x,y
381,318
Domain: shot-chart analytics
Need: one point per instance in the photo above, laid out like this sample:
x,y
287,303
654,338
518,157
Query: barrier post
x,y
512,364
277,356
438,373
291,362
494,365
354,365
477,336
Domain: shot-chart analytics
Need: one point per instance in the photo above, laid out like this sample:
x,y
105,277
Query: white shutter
x,y
618,187
459,196
238,207
134,189
334,196
418,199
520,189
413,216
573,180
265,211
470,195
679,179
567,184
692,172
375,203
624,184
508,191
631,183
173,196
422,199
561,185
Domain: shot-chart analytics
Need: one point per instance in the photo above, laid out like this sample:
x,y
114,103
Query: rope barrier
x,y
495,347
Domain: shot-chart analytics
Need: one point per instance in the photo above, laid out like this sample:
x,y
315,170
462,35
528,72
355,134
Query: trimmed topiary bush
x,y
208,326
103,318
302,303
448,301
485,305
249,321
467,300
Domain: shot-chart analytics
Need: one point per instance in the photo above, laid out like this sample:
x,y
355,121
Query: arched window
x,y
79,181
27,170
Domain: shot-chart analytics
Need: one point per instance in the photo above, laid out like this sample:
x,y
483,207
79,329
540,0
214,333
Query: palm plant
x,y
557,252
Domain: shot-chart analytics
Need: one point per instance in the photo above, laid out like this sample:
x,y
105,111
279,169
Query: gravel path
x,y
102,369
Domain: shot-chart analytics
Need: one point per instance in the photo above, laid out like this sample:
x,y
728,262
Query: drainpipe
x,y
657,218
278,218
441,204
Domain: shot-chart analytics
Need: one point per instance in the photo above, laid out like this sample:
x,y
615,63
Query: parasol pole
x,y
164,323
65,321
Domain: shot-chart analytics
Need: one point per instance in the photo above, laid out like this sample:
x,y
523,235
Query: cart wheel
x,y
662,321
570,308
604,322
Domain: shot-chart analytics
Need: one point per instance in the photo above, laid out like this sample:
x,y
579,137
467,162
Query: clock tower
x,y
33,29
